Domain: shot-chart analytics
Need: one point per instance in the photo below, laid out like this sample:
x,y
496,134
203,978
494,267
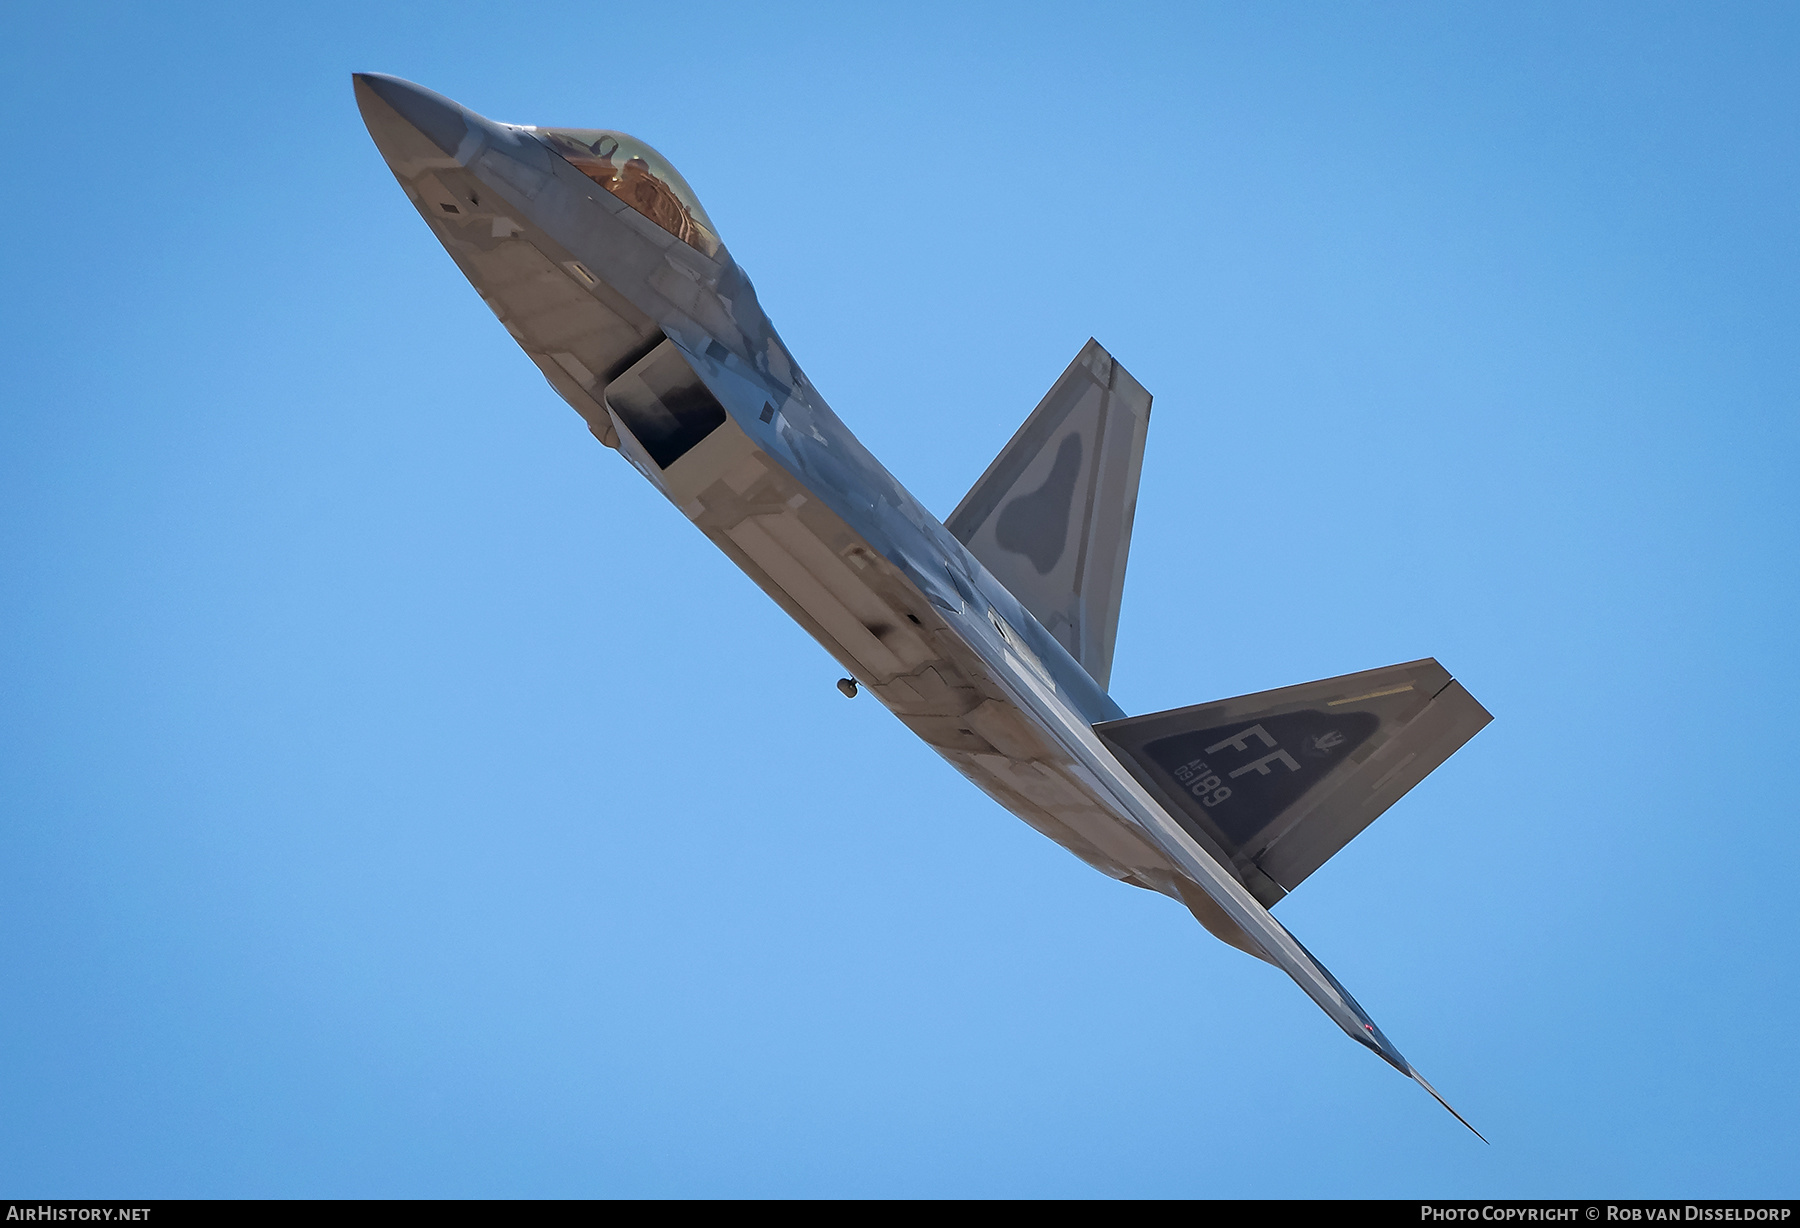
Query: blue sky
x,y
398,798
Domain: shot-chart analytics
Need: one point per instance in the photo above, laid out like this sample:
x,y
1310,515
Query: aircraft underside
x,y
990,635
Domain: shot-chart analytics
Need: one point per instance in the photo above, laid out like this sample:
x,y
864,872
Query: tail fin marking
x,y
1051,518
1281,780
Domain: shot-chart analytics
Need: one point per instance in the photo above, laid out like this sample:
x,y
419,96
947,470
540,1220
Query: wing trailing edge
x,y
1051,518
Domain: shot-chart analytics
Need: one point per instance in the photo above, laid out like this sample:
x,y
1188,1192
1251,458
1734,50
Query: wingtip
x,y
1420,1080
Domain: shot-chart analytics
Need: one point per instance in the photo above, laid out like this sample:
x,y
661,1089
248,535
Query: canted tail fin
x,y
1279,781
1272,785
1051,517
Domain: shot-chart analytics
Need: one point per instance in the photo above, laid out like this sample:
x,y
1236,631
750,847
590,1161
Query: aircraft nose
x,y
443,122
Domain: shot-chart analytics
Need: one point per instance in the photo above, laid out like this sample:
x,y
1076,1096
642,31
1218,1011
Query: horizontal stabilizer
x,y
1281,780
1051,517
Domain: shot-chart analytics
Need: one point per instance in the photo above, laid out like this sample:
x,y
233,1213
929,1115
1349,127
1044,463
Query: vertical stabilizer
x,y
1051,517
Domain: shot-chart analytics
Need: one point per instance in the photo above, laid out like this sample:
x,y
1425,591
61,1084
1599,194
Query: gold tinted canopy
x,y
640,177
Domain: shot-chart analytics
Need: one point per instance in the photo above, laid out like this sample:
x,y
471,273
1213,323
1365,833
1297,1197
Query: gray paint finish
x,y
991,639
1281,780
1051,518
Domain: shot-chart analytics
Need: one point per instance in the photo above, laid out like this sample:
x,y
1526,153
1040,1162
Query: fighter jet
x,y
989,634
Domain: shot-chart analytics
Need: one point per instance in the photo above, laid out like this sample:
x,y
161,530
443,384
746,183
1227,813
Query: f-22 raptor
x,y
990,634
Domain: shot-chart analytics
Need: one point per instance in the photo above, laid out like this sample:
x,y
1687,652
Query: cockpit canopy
x,y
640,177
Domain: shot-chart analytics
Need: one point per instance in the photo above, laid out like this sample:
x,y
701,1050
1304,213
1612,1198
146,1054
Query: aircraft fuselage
x,y
661,346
